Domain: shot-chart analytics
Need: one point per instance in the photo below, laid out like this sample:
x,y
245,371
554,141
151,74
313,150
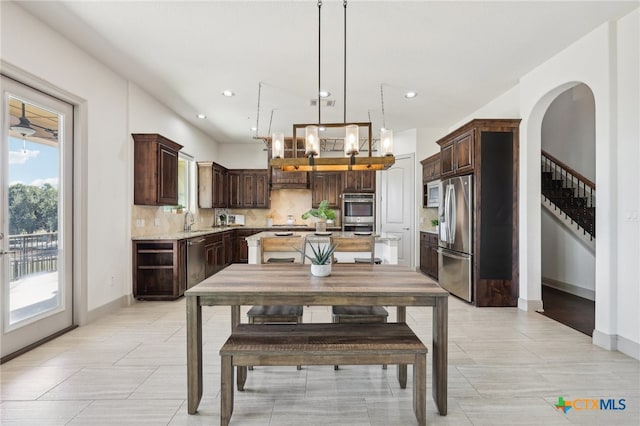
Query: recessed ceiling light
x,y
324,94
410,95
253,129
228,93
201,116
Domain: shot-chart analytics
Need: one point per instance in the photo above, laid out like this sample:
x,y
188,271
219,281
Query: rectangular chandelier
x,y
313,162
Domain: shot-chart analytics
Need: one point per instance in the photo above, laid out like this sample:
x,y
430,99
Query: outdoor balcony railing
x,y
32,253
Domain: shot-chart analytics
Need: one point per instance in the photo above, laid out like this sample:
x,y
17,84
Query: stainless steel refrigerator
x,y
455,251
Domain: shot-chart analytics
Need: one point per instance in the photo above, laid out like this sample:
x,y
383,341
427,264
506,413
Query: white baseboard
x,y
108,308
628,347
613,342
606,341
570,288
529,305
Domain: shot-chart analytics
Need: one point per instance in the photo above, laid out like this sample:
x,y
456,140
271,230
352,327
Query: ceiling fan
x,y
26,127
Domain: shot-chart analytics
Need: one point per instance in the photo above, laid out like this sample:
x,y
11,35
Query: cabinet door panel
x,y
248,188
326,186
168,172
235,189
463,154
446,160
220,187
261,194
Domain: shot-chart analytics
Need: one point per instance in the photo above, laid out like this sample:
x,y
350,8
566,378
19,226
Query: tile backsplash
x,y
152,220
426,216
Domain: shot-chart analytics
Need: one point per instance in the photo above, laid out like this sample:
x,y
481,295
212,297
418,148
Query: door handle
x,y
407,229
2,253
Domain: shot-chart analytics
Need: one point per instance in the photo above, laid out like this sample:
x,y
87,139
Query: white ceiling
x,y
456,55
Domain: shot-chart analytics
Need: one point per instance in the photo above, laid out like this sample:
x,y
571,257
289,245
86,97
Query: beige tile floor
x,y
505,367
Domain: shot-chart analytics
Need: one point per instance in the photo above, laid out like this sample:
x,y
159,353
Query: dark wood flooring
x,y
572,311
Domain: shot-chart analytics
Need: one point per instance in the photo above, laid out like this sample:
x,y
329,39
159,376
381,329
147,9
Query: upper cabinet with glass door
x,y
155,170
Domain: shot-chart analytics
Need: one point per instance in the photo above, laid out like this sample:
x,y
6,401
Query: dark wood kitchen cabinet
x,y
241,248
359,181
326,186
431,168
155,170
159,269
228,241
289,180
456,154
429,254
214,254
249,189
489,149
213,188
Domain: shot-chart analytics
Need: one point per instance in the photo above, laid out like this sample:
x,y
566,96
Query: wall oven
x,y
358,212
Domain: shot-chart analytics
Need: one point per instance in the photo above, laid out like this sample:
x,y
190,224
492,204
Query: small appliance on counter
x,y
235,219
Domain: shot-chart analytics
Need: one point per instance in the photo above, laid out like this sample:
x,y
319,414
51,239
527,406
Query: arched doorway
x,y
568,208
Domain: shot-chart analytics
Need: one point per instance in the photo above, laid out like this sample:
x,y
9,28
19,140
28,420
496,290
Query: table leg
x,y
241,375
194,353
440,349
401,316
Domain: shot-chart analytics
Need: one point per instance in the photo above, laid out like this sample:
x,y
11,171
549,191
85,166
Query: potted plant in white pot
x,y
321,258
322,213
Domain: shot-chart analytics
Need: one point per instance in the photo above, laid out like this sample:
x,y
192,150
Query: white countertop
x,y
185,235
379,237
182,235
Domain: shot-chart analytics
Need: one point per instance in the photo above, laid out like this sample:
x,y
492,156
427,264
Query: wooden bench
x,y
322,344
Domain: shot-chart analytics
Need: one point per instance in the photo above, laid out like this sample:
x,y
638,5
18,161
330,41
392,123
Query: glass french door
x,y
36,160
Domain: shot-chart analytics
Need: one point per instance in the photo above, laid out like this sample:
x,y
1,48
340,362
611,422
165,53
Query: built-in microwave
x,y
432,194
358,209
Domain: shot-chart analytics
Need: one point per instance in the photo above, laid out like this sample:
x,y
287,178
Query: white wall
x,y
568,130
627,172
105,106
148,115
507,105
243,156
566,260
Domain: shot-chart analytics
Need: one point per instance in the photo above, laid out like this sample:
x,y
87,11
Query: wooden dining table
x,y
293,284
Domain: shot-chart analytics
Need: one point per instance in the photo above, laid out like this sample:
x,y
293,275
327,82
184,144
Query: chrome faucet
x,y
188,221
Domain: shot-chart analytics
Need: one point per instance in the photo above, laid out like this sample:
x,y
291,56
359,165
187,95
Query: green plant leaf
x,y
321,254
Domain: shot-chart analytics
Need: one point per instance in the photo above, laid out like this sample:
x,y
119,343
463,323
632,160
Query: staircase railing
x,y
571,193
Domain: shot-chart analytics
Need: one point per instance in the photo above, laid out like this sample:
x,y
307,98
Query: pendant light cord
x,y
344,95
319,55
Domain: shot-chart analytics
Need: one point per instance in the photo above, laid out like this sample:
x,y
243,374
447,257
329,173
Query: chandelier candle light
x,y
351,161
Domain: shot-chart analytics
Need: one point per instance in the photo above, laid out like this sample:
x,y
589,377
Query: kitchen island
x,y
386,245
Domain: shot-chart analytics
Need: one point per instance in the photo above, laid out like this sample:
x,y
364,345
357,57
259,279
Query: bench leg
x,y
420,389
241,377
226,389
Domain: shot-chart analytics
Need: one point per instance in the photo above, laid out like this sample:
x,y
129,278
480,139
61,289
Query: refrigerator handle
x,y
451,255
444,234
451,213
